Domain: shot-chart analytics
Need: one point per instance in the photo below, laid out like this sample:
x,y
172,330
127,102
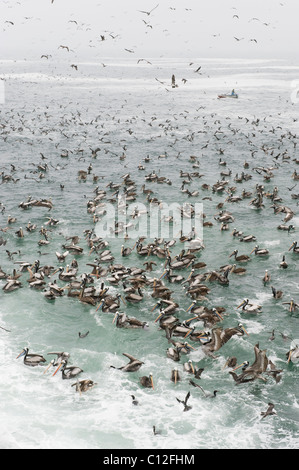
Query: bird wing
x,y
131,358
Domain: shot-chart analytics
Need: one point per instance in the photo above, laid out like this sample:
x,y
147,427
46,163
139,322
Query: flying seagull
x,y
148,12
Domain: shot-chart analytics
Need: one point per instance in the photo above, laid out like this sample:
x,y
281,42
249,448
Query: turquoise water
x,y
122,109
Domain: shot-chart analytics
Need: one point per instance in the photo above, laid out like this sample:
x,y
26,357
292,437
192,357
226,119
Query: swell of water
x,y
122,109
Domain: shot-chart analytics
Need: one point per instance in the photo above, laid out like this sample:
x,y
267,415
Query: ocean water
x,y
125,110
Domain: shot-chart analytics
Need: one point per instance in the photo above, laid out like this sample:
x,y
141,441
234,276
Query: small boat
x,y
231,95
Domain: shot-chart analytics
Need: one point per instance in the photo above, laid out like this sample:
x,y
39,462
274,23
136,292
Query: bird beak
x,y
152,382
47,368
56,271
291,305
218,315
290,355
99,306
154,307
238,367
188,333
231,255
175,376
162,275
190,307
60,365
158,317
123,300
189,346
114,318
21,354
252,251
241,304
192,368
291,246
244,330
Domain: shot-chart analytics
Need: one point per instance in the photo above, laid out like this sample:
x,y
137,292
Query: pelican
x,y
175,375
84,385
240,258
67,372
283,263
132,366
12,285
230,362
174,353
267,277
126,251
248,238
260,251
220,337
60,356
123,321
31,359
250,308
293,354
67,275
61,256
295,247
147,382
293,305
277,294
255,370
135,297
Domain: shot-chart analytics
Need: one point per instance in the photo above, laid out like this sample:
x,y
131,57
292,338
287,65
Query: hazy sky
x,y
176,28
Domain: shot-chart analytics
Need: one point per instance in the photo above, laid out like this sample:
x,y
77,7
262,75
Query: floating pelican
x,y
147,382
293,354
67,372
31,359
260,251
250,308
175,375
240,258
295,247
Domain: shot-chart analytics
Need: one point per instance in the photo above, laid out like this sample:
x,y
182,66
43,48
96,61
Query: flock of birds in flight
x,y
134,281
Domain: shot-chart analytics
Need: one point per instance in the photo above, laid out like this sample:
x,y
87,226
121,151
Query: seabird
x,y
31,359
147,382
269,411
184,402
132,366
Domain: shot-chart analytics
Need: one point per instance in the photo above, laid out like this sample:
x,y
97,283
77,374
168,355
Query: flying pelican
x,y
255,370
132,366
220,337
